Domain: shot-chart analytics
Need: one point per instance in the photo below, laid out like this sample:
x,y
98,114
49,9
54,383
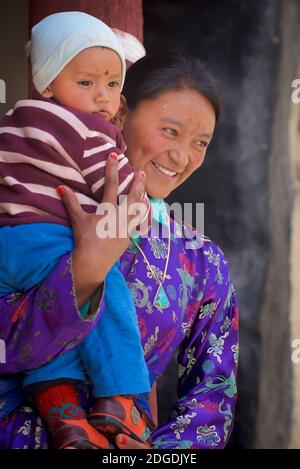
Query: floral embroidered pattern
x,y
235,350
151,341
207,434
217,345
158,247
208,310
182,422
191,359
208,366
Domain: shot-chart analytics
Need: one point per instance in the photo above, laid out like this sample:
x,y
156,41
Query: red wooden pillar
x,y
126,15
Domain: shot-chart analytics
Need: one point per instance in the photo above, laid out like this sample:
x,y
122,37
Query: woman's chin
x,y
158,194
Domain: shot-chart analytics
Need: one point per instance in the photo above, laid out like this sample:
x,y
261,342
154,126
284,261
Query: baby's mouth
x,y
103,113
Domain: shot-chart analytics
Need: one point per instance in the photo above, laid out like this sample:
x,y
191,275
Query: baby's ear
x,y
48,92
119,118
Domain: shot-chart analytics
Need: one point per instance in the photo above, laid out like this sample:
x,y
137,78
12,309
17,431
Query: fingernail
x,y
142,174
122,439
61,191
114,156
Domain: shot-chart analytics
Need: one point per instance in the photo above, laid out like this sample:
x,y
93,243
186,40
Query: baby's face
x,y
90,82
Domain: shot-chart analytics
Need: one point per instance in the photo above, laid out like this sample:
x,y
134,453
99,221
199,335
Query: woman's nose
x,y
179,156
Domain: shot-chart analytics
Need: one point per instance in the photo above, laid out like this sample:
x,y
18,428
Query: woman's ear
x,y
119,118
48,92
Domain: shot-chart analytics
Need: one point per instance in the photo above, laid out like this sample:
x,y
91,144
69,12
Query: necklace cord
x,y
159,282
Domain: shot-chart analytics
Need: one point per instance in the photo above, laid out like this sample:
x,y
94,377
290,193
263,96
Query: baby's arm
x,y
98,145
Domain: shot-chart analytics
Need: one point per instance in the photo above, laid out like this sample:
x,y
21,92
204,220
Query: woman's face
x,y
167,138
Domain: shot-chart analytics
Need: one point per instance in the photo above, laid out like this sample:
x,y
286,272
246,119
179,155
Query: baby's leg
x,y
53,388
114,358
112,352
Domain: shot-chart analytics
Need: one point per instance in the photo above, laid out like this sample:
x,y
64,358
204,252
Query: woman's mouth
x,y
165,171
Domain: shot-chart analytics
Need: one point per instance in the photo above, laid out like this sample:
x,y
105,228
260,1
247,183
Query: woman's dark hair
x,y
164,71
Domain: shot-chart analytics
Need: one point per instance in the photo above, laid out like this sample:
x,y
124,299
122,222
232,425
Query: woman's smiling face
x,y
167,138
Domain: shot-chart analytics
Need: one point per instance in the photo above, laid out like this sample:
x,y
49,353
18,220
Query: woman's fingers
x,y
127,211
111,185
137,205
147,219
137,191
125,442
72,205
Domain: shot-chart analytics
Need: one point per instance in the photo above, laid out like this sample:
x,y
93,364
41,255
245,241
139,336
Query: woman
x,y
183,295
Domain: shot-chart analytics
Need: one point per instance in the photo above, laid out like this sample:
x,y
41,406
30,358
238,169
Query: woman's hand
x,y
125,442
93,255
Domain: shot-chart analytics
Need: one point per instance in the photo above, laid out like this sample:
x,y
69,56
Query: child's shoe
x,y
59,406
120,414
78,434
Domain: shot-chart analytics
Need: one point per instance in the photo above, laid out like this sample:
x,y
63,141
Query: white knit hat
x,y
59,37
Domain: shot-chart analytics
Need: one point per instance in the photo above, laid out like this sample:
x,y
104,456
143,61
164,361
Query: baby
x,y
64,136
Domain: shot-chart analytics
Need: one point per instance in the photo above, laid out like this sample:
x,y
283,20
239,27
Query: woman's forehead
x,y
180,108
179,97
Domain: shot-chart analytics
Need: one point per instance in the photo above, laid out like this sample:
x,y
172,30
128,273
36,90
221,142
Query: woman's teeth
x,y
164,170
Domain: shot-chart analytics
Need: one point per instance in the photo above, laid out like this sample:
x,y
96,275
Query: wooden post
x,y
126,15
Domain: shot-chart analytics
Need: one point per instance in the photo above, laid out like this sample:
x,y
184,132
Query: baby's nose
x,y
101,94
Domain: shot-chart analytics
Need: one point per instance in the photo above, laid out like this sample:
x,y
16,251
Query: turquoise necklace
x,y
161,300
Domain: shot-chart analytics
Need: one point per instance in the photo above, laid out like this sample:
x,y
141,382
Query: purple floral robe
x,y
202,320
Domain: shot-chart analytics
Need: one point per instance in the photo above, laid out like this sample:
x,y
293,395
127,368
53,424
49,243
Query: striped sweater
x,y
44,145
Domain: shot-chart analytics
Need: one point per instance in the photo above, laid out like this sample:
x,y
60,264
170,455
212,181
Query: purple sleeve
x,y
41,324
203,416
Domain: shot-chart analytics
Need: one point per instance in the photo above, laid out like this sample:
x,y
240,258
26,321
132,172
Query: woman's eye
x,y
171,131
201,143
114,84
85,82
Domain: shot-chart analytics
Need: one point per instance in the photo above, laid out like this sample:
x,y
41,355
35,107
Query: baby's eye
x,y
85,82
114,84
171,131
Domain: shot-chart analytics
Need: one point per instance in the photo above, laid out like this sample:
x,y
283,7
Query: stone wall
x,y
275,412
